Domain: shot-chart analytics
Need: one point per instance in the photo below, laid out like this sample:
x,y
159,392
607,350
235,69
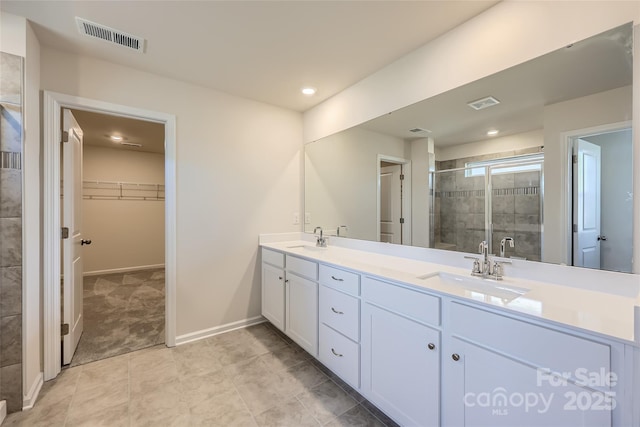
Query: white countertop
x,y
599,312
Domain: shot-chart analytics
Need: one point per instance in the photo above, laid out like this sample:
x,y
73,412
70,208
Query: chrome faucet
x,y
483,249
482,265
503,245
338,229
321,241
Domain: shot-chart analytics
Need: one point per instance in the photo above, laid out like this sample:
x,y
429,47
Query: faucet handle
x,y
476,264
497,268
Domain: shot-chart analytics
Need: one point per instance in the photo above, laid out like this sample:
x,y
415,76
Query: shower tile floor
x,y
248,377
123,312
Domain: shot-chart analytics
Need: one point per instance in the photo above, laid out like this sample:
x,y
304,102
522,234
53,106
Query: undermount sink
x,y
308,247
488,287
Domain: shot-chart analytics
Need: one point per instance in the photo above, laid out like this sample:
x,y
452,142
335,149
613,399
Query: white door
x,y
391,204
586,205
72,246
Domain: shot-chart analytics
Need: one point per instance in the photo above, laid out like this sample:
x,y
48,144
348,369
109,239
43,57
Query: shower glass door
x,y
491,201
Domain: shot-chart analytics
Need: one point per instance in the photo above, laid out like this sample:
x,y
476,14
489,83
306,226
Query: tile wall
x,y
11,231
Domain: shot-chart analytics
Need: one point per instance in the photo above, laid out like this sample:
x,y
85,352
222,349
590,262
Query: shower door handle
x,y
85,242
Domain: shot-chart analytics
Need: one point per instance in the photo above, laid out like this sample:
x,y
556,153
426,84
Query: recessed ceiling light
x,y
309,90
493,132
116,138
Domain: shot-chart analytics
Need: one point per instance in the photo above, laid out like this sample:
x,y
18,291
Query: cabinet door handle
x,y
431,346
337,279
279,277
286,281
455,356
336,354
336,311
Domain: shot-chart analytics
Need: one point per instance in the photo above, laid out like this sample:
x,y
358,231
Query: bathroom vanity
x,y
431,345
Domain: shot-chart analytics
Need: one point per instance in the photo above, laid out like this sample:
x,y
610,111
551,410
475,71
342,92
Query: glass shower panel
x,y
516,209
458,210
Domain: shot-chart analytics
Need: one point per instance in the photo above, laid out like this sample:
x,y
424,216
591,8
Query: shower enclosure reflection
x,y
489,200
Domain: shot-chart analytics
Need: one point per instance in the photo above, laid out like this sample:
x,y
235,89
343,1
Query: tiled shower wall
x,y
11,231
516,206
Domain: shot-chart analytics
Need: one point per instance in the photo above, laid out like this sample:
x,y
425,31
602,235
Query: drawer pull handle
x,y
336,311
337,279
336,354
455,356
431,346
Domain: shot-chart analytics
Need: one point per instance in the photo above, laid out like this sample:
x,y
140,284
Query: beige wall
x,y
341,182
603,108
238,175
125,234
519,141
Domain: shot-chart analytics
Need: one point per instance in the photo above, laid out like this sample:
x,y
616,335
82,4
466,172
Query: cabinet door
x,y
273,295
486,388
302,312
401,367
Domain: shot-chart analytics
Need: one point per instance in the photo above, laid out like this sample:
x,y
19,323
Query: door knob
x,y
85,242
603,238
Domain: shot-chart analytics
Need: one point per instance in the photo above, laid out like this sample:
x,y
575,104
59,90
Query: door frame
x,y
566,196
53,103
406,200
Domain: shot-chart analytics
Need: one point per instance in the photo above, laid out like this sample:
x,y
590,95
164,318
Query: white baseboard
x,y
122,270
206,333
3,410
30,398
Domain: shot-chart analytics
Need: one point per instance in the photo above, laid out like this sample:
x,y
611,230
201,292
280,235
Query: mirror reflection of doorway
x,y
602,214
394,201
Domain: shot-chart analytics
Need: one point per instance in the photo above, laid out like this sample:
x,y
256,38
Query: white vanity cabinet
x,y
339,313
273,287
401,352
290,297
302,303
501,371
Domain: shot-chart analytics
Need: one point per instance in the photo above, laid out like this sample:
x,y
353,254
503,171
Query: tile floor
x,y
249,377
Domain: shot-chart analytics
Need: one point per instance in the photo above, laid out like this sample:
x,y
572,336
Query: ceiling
x,y
594,65
97,129
262,50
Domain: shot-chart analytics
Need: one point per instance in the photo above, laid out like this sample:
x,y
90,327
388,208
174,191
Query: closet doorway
x,y
53,106
122,224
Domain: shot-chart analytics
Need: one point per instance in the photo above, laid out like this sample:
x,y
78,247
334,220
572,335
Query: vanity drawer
x,y
340,354
342,280
302,267
407,302
272,257
341,312
537,345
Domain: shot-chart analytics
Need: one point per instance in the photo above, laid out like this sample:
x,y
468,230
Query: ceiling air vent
x,y
419,130
120,38
481,104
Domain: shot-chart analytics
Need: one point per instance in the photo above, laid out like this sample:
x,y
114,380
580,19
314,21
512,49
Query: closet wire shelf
x,y
107,190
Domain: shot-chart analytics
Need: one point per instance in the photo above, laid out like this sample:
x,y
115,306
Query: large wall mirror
x,y
536,160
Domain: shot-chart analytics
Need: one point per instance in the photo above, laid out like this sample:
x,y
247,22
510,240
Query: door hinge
x,y
401,220
401,177
65,232
575,159
575,228
64,329
65,136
